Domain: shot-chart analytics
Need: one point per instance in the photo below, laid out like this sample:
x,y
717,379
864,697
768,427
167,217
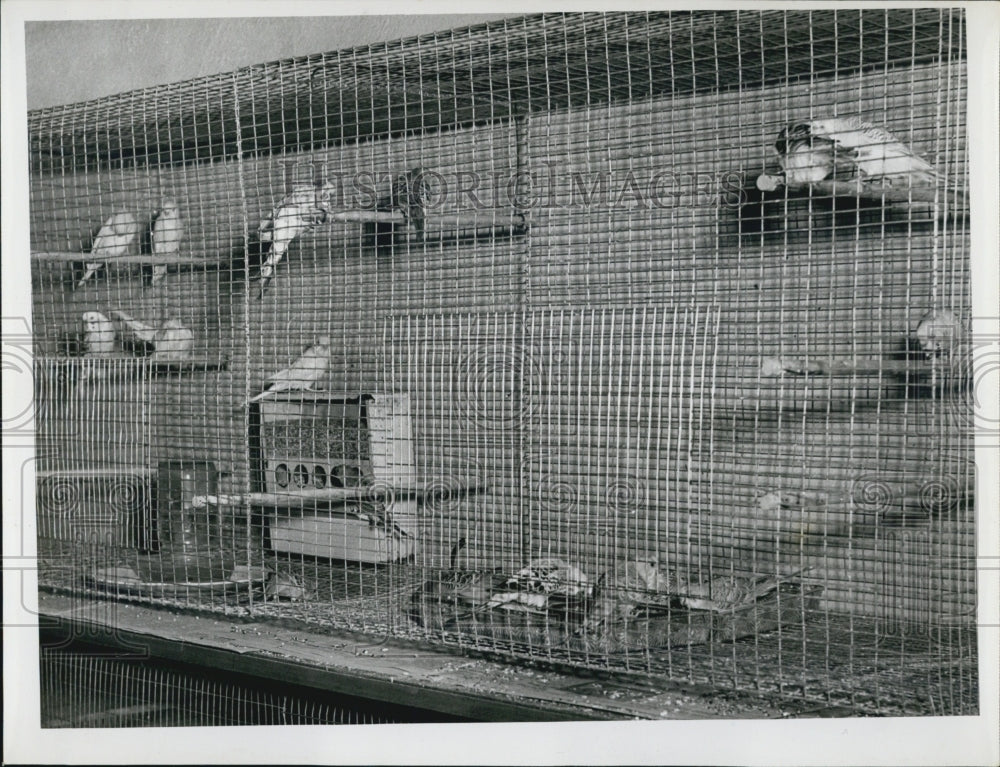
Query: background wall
x,y
70,61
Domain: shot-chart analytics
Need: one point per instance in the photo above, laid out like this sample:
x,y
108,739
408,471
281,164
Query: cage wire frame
x,y
87,690
552,337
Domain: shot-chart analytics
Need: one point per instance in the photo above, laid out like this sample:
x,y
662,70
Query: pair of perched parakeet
x,y
119,234
169,342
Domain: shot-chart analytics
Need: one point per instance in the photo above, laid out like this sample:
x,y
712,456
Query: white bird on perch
x,y
168,230
302,374
169,342
114,239
98,335
297,212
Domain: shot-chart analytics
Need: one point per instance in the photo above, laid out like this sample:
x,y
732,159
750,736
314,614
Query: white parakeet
x,y
168,230
170,342
298,212
98,335
302,374
115,238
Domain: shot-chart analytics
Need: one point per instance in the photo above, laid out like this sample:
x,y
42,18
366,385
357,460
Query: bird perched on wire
x,y
165,237
302,374
114,239
299,211
169,342
872,153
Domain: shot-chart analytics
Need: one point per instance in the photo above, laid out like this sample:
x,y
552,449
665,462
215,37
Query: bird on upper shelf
x,y
302,374
169,342
114,239
815,150
299,211
165,237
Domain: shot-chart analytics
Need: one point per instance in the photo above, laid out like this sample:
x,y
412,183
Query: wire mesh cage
x,y
83,690
630,341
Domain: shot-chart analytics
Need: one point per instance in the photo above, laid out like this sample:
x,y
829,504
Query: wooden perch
x,y
137,258
855,187
800,366
369,216
300,498
456,220
117,364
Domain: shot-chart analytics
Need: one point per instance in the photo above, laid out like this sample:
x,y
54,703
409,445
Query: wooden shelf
x,y
96,471
120,364
800,367
317,395
145,259
304,498
858,188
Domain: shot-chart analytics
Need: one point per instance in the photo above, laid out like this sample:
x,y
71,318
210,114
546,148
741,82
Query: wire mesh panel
x,y
637,341
81,690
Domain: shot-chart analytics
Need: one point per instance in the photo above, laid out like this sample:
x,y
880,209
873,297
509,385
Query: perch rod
x,y
777,366
304,497
137,258
852,188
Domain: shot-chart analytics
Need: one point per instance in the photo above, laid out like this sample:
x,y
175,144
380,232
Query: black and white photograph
x,y
553,368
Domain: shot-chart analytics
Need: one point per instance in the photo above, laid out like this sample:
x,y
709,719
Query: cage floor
x,y
795,650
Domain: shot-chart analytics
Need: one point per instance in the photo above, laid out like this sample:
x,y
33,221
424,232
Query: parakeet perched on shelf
x,y
302,374
169,342
875,153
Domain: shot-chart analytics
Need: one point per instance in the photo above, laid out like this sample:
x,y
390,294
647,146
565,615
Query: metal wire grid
x,y
80,690
599,160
